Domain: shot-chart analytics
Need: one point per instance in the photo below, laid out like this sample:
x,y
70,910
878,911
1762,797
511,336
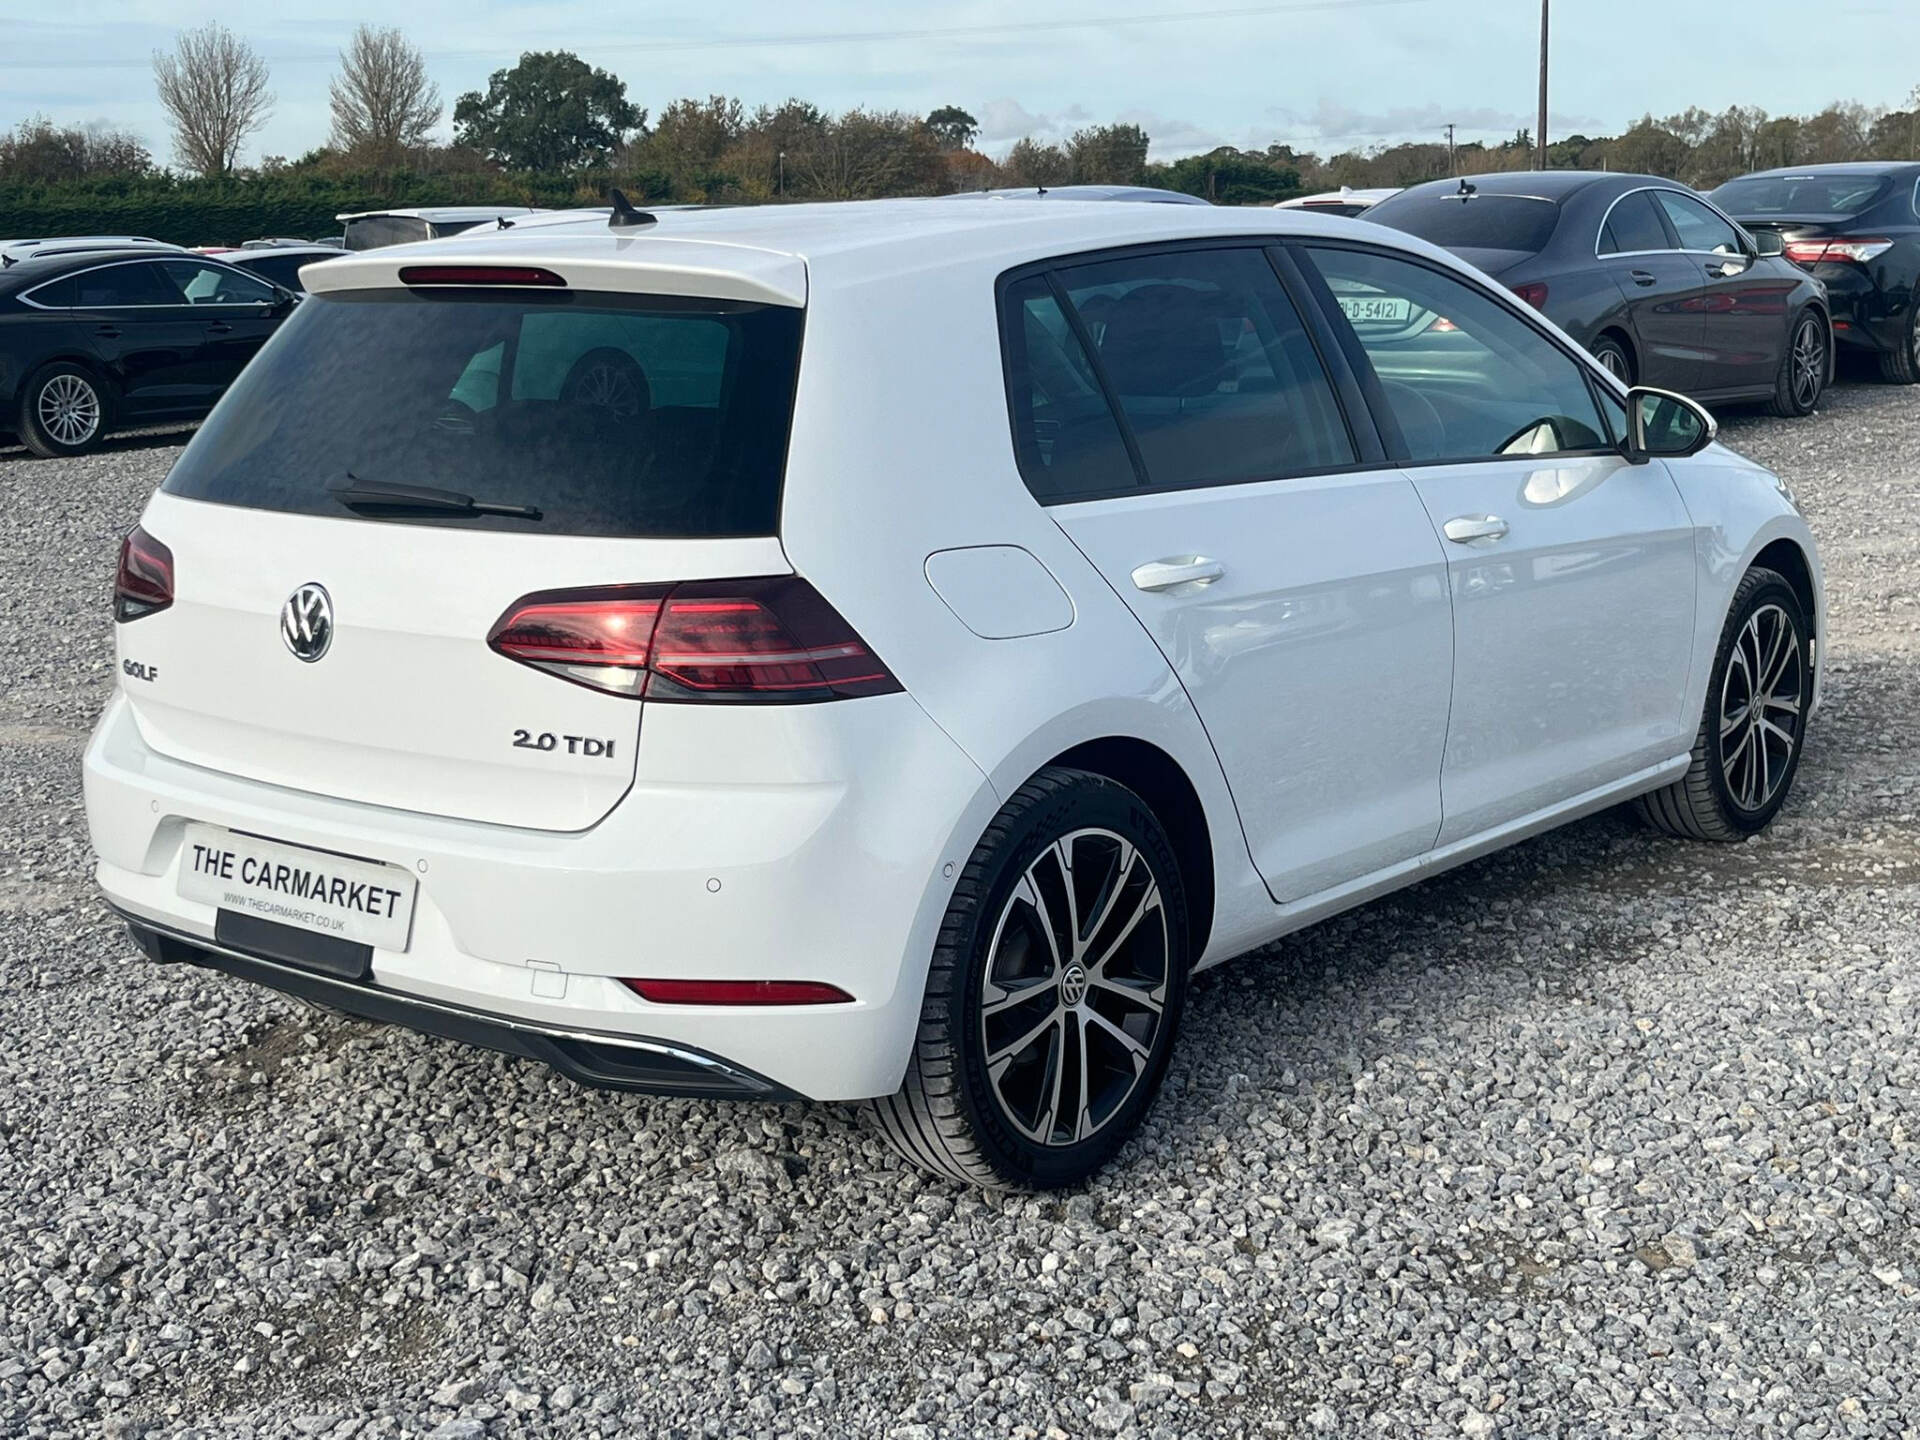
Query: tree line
x,y
553,130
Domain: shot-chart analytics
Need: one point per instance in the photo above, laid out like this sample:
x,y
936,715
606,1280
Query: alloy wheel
x,y
1615,364
610,388
1809,362
68,409
1760,705
1074,992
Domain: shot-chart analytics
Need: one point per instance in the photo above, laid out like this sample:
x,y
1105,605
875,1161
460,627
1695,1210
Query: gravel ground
x,y
1607,1135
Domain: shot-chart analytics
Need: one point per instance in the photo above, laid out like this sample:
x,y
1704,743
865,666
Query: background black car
x,y
1856,227
280,263
1662,288
94,342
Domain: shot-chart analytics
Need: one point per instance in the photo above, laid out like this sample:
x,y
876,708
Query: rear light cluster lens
x,y
1534,294
738,992
143,583
772,640
1858,249
517,275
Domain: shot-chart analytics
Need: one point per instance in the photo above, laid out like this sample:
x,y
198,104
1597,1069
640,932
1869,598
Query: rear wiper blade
x,y
358,494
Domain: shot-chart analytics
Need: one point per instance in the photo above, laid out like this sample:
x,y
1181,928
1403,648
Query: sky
x,y
1324,75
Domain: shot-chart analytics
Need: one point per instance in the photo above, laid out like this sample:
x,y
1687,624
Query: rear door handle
x,y
107,332
218,327
1178,570
1465,529
1645,277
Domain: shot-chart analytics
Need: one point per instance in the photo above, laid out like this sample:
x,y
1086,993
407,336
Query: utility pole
x,y
783,174
1540,135
1452,168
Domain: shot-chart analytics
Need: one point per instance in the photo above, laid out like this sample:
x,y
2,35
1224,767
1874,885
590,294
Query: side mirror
x,y
1769,243
1670,426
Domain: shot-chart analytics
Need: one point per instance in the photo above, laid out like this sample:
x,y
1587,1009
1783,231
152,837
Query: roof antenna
x,y
1039,189
1467,190
624,216
503,222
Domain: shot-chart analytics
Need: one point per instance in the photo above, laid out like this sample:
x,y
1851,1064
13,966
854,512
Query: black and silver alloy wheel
x,y
1613,359
1760,708
1054,992
63,411
1075,987
1748,747
1802,377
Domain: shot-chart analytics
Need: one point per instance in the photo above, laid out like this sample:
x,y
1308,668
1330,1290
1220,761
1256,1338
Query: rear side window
x,y
1203,359
1464,377
1477,222
1633,225
644,416
124,285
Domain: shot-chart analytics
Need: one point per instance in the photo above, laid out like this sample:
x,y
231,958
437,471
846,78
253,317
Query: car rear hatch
x,y
332,599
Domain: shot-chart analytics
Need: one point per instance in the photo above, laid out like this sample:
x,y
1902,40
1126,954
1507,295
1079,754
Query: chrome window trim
x,y
1738,229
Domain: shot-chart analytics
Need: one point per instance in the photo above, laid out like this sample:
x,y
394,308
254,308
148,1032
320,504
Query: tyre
x,y
1613,358
1748,747
1901,365
63,411
1054,994
1803,368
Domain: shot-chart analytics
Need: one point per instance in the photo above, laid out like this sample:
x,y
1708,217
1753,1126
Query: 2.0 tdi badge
x,y
306,622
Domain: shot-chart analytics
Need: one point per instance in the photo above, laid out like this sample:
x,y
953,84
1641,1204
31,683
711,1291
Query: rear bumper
x,y
520,939
603,1059
1864,316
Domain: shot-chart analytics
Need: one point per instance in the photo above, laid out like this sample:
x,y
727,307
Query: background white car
x,y
878,651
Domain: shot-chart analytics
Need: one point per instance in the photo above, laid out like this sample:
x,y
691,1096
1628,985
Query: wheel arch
x,y
1157,778
1785,557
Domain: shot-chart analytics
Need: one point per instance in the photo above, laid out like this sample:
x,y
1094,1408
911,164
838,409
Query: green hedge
x,y
205,212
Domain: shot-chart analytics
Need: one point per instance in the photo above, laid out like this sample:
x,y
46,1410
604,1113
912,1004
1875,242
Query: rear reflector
x,y
738,992
522,275
764,640
1855,248
1535,294
143,583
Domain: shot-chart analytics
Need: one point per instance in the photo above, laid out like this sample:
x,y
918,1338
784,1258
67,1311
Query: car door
x,y
238,311
1742,305
1181,421
1572,571
144,333
1661,287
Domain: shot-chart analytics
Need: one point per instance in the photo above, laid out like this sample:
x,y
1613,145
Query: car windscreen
x,y
1825,194
1480,222
654,416
370,232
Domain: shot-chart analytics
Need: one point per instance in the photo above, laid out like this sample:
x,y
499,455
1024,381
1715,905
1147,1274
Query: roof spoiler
x,y
624,216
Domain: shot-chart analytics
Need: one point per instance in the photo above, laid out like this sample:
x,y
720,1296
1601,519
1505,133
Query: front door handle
x,y
1645,277
107,332
1465,529
219,327
1158,575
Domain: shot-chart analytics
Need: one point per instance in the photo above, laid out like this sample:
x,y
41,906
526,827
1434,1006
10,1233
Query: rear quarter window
x,y
639,416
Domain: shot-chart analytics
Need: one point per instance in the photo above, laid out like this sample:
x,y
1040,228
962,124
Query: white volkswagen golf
x,y
878,652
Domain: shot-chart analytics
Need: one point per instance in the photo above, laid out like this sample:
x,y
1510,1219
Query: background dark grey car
x,y
1663,288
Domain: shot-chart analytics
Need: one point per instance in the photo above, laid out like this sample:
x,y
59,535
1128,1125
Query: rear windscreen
x,y
650,416
1483,222
1829,194
370,232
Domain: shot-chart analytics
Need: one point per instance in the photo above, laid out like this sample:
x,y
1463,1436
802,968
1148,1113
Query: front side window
x,y
1209,366
643,416
1698,226
1463,376
1633,226
201,284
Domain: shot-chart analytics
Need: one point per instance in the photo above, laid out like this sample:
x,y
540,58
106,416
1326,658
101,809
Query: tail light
x,y
516,275
738,992
143,583
1535,294
767,641
1857,248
